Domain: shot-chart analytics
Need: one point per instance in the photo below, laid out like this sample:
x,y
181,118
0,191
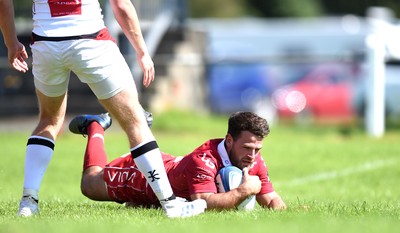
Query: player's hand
x,y
277,204
16,57
252,183
147,66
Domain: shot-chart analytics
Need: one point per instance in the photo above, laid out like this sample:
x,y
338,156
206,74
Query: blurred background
x,y
305,62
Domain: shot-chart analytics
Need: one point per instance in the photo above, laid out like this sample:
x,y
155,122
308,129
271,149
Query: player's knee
x,y
86,188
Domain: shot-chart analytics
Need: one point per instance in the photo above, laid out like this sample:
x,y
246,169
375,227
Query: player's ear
x,y
228,141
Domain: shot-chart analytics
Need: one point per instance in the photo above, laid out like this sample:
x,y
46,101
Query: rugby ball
x,y
230,177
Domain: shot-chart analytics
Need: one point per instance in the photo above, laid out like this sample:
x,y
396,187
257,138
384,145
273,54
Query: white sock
x,y
152,167
39,152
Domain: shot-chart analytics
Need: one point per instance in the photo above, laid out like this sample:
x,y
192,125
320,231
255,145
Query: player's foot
x,y
28,207
80,123
181,208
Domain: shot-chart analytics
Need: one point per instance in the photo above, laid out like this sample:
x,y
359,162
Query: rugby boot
x,y
79,124
28,206
181,208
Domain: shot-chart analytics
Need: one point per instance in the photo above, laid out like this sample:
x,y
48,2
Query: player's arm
x,y
126,16
271,200
251,185
16,51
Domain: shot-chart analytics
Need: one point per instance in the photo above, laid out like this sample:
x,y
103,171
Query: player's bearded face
x,y
243,150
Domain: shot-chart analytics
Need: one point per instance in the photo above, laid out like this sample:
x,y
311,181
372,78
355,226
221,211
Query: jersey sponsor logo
x,y
65,7
121,176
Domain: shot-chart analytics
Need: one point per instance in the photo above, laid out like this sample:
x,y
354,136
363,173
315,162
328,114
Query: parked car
x,y
237,86
324,93
392,93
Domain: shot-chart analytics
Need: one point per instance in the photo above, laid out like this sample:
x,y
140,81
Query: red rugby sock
x,y
95,155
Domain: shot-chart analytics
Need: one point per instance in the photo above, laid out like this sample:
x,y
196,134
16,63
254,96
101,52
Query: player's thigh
x,y
101,65
52,107
51,77
125,101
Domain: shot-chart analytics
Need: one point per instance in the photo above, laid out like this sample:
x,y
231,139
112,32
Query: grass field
x,y
332,182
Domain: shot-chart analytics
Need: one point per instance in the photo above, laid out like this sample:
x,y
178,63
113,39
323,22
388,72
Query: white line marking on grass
x,y
341,173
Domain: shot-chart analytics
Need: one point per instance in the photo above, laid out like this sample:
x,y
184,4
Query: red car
x,y
325,93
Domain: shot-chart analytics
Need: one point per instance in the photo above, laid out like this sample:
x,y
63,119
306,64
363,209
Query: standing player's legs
x,y
40,148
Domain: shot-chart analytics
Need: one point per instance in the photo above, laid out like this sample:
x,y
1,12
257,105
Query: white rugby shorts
x,y
99,63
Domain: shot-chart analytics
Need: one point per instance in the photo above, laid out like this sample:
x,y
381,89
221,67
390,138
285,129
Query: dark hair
x,y
247,121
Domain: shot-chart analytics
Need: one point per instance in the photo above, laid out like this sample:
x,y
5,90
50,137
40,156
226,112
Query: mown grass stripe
x,y
341,173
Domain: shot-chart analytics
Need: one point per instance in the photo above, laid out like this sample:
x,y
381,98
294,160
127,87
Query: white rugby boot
x,y
181,208
28,207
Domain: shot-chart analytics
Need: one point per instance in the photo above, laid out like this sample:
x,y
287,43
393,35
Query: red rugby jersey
x,y
190,174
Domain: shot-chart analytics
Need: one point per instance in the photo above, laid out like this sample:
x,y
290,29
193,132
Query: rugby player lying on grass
x,y
191,176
